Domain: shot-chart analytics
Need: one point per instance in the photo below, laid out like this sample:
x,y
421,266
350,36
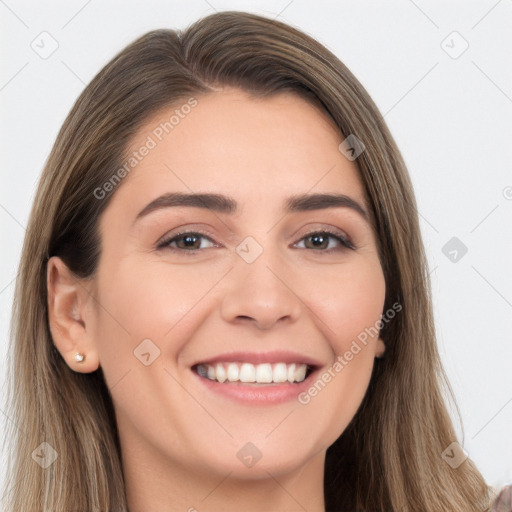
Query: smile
x,y
264,373
257,378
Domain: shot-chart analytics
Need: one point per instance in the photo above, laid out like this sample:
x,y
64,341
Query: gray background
x,y
449,109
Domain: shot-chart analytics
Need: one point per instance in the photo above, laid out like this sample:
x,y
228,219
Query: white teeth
x,y
220,373
300,373
233,372
280,373
249,373
291,372
264,373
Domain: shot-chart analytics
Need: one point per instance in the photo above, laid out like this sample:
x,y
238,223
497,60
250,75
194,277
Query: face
x,y
241,288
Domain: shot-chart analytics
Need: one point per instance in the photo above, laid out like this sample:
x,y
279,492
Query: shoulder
x,y
503,501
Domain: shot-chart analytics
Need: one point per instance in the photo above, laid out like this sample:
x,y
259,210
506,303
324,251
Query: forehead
x,y
256,149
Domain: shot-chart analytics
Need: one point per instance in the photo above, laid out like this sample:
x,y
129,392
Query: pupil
x,y
318,240
189,240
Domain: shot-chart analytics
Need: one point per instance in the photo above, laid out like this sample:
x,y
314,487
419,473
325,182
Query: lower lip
x,y
258,393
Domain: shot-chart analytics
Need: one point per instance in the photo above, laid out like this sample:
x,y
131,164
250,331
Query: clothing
x,y
503,502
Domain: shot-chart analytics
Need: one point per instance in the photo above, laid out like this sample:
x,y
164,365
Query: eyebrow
x,y
225,204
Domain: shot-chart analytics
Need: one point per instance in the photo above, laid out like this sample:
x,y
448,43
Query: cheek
x,y
139,301
348,300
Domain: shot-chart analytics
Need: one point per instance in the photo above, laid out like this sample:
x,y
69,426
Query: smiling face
x,y
254,281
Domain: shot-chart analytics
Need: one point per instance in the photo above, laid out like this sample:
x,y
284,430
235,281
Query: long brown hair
x,y
390,456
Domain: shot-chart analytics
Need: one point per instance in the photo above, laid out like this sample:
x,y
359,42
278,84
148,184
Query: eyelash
x,y
346,244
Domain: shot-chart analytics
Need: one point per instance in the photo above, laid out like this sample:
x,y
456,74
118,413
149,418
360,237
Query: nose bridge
x,y
259,288
260,267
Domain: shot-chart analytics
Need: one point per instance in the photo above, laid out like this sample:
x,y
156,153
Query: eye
x,y
325,241
189,241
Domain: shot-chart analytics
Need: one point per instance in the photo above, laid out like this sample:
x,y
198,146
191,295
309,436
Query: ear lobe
x,y
380,348
68,316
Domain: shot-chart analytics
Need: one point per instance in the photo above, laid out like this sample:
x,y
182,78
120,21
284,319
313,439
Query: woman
x,y
223,300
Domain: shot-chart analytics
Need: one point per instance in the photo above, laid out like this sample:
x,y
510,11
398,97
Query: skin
x,y
179,440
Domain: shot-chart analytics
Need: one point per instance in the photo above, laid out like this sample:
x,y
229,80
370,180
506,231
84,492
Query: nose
x,y
261,293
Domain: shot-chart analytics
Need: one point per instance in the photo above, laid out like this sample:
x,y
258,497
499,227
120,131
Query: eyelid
x,y
331,231
167,238
318,227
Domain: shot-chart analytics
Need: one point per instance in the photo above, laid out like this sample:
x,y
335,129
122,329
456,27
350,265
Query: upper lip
x,y
276,356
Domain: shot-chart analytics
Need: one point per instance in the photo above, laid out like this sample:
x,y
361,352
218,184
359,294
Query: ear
x,y
70,316
380,348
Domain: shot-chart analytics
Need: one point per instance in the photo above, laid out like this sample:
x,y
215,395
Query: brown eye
x,y
318,241
186,242
325,241
190,241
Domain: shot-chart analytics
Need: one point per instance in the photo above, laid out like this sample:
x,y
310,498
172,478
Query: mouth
x,y
257,378
245,373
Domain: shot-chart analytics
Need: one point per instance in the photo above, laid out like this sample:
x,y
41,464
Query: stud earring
x,y
79,358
